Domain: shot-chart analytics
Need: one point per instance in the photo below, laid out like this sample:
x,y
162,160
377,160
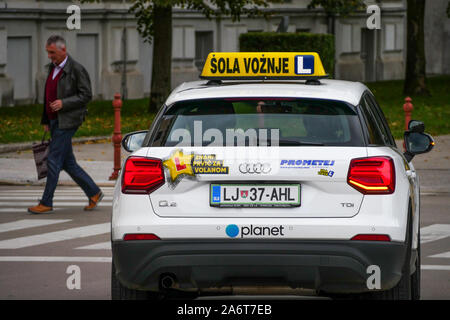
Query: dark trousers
x,y
61,157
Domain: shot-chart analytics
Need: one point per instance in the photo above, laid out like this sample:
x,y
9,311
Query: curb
x,y
11,147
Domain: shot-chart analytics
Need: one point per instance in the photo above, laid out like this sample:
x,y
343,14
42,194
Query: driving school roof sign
x,y
263,65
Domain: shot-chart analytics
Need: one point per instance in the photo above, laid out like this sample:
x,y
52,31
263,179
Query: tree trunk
x,y
162,57
415,78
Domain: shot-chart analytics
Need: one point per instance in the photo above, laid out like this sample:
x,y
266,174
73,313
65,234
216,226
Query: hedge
x,y
323,44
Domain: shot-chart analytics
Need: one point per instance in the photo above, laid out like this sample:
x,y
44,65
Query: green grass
x,y
22,123
434,111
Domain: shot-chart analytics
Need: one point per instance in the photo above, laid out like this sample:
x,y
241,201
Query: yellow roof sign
x,y
263,65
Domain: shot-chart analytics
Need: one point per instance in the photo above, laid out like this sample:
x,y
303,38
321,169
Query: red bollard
x,y
117,136
408,108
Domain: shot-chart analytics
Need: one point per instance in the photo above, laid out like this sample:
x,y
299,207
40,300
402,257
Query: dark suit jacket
x,y
74,89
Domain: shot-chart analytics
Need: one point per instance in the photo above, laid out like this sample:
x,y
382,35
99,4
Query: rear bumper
x,y
331,266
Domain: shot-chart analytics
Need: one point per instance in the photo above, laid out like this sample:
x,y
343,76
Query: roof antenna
x,y
214,82
313,82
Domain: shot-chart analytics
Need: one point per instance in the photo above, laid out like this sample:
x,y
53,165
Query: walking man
x,y
67,92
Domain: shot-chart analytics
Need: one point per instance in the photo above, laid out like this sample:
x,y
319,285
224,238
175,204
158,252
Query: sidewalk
x,y
97,159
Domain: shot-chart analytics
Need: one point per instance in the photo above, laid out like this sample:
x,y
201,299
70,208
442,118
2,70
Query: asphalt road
x,y
38,252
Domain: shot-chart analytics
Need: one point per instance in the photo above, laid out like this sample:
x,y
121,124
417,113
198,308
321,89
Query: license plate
x,y
255,195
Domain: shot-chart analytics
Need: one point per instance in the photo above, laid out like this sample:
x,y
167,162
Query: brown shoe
x,y
93,201
40,208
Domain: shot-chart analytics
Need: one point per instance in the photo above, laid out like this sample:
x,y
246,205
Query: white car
x,y
271,182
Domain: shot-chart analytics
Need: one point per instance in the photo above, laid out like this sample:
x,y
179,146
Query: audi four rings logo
x,y
257,168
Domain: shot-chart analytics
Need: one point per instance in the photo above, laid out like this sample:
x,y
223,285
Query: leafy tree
x,y
334,8
415,77
154,23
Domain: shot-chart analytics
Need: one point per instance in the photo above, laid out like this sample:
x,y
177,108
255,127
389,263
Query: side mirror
x,y
133,141
417,143
416,126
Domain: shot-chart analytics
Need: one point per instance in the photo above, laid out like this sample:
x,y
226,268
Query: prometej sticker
x,y
263,65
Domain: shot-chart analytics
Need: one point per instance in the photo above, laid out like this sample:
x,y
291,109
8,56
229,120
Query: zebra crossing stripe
x,y
45,238
54,259
435,267
56,197
97,246
55,204
28,223
445,255
13,209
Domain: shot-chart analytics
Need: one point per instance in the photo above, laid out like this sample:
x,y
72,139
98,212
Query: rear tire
x,y
120,292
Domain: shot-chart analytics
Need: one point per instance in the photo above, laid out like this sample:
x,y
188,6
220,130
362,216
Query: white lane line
x,y
434,232
441,255
54,259
50,237
435,267
55,204
42,191
13,209
97,246
28,223
75,197
57,190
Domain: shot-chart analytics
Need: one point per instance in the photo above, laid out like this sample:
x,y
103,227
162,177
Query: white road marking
x,y
54,198
434,232
13,210
55,204
28,223
54,259
50,237
29,192
97,246
435,267
441,255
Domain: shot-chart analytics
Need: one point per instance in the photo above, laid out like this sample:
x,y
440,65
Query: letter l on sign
x,y
304,64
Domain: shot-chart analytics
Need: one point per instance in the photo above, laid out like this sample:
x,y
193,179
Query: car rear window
x,y
259,122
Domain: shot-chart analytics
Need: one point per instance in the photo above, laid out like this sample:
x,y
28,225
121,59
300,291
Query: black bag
x,y
40,152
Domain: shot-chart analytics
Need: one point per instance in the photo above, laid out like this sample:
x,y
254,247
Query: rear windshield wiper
x,y
299,143
291,142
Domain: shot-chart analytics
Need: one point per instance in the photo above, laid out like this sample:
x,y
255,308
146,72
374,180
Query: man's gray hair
x,y
57,40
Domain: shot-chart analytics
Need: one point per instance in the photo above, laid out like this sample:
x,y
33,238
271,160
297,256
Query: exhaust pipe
x,y
167,282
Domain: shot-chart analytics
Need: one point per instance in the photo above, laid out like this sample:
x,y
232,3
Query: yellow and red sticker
x,y
181,164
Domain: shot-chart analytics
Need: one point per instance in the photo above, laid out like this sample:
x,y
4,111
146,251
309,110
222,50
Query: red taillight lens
x,y
371,237
140,236
375,175
142,175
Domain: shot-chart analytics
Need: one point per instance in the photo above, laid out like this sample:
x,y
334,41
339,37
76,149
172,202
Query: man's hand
x,y
46,129
56,105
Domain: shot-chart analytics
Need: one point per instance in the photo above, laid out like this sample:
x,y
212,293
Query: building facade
x,y
108,40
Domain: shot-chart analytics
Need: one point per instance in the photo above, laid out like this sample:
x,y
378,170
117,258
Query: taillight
x,y
142,175
140,236
371,237
375,175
